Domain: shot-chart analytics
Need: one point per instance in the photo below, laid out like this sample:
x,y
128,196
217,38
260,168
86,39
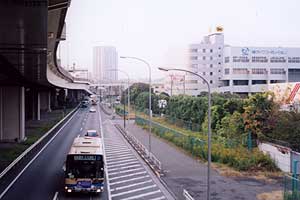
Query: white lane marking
x,y
159,198
104,155
116,152
120,155
33,159
55,196
123,164
142,195
128,180
114,144
120,158
122,161
128,175
135,190
126,171
81,129
116,149
131,185
126,167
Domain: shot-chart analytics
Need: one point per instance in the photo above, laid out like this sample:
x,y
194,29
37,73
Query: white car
x,y
92,109
92,133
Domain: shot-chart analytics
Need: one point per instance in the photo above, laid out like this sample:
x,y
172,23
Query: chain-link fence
x,y
291,188
191,144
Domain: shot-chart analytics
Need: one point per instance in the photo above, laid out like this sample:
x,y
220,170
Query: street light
x,y
209,122
128,94
150,111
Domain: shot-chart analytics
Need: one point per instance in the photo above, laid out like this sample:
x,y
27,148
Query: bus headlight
x,y
69,190
98,190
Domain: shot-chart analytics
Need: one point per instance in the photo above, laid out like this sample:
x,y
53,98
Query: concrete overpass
x,y
31,81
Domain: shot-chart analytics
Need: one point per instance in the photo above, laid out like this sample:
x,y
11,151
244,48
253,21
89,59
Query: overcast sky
x,y
160,30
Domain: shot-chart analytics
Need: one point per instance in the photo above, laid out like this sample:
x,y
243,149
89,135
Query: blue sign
x,y
246,50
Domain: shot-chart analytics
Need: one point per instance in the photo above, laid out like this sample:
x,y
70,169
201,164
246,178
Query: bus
x,y
84,167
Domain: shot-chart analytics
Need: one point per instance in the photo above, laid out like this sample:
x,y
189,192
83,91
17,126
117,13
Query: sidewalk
x,y
184,172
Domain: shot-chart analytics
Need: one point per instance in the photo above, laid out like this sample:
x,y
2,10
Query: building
x,y
105,63
240,70
248,70
206,59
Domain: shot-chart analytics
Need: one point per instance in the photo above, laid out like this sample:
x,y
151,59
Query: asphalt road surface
x,y
44,178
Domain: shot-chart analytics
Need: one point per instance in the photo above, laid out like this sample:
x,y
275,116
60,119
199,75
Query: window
x,y
294,59
211,73
219,70
193,57
194,50
277,71
277,60
211,65
226,71
240,82
211,50
259,71
219,63
210,81
203,57
259,59
219,48
240,59
227,59
203,73
191,81
258,82
203,50
219,56
211,58
240,71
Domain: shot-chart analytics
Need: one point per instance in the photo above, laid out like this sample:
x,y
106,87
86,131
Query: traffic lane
x,y
90,121
45,175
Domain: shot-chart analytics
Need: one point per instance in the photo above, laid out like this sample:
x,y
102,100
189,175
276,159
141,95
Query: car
x,y
92,110
92,133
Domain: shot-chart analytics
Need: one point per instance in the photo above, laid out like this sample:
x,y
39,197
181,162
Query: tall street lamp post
x,y
128,93
209,122
150,111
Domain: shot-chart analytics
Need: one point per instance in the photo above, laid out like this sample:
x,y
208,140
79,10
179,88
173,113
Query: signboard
x,y
85,157
246,51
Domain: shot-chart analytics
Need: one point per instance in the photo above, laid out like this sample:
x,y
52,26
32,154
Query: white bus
x,y
84,170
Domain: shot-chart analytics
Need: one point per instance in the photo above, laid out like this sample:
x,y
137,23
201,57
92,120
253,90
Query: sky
x,y
160,31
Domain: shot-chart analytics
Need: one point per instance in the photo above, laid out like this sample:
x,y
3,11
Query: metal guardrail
x,y
187,195
28,150
150,158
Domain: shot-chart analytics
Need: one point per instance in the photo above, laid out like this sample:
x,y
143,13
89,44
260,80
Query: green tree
x,y
258,109
231,126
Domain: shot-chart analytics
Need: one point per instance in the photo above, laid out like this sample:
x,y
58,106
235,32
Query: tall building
x,y
249,70
105,63
206,59
239,70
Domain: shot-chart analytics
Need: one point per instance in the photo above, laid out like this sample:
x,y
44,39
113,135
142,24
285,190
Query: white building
x,y
206,59
249,70
105,63
240,70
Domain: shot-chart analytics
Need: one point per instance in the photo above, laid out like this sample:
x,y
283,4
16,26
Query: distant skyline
x,y
160,31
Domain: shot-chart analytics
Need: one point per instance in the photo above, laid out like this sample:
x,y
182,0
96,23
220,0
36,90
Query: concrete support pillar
x,y
45,101
38,106
12,113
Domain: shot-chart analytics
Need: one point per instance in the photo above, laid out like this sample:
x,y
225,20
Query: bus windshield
x,y
82,168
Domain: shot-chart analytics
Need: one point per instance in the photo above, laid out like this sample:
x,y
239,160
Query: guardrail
x,y
187,195
33,146
147,156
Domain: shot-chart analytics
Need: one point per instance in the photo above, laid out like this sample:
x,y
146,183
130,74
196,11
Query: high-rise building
x,y
206,59
105,63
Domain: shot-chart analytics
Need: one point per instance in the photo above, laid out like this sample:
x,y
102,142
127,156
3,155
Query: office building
x,y
105,63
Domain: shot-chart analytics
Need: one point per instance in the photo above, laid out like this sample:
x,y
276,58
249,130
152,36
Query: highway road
x,y
44,178
128,175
